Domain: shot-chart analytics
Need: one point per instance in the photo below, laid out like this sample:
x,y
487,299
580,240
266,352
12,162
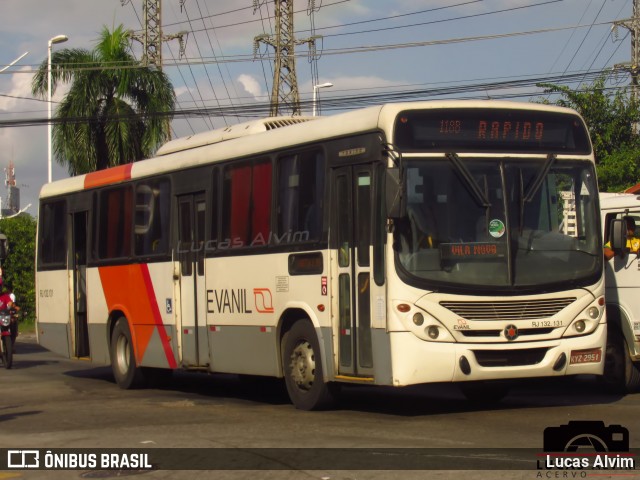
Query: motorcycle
x,y
8,333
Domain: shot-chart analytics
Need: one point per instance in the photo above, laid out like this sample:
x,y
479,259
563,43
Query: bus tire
x,y
621,374
302,367
484,393
123,361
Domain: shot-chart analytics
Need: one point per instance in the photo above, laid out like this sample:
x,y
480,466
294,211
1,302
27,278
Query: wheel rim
x,y
303,365
122,354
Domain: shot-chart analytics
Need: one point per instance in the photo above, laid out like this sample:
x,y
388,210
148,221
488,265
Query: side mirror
x,y
619,236
4,246
393,193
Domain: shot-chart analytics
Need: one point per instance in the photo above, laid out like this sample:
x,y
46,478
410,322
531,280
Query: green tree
x,y
611,116
116,110
18,268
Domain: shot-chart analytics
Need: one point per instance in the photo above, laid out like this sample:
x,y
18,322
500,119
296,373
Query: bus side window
x,y
152,217
247,195
116,222
52,233
300,197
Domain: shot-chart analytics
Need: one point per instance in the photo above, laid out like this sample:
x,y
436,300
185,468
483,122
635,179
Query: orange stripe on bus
x,y
108,176
128,288
157,317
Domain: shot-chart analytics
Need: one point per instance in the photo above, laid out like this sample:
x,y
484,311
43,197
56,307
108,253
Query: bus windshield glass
x,y
506,223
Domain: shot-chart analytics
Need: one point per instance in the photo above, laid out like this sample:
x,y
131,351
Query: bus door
x,y
79,271
191,238
351,268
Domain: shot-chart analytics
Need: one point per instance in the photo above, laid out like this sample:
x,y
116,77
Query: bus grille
x,y
509,358
496,333
509,310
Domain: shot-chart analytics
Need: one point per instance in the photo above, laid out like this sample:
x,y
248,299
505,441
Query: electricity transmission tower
x,y
633,25
284,92
152,37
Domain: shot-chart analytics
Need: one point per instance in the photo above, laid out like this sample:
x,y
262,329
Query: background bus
x,y
622,273
395,245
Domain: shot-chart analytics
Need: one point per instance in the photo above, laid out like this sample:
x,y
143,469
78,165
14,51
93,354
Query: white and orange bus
x,y
449,241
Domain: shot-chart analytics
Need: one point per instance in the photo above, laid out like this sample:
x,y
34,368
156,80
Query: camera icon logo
x,y
586,436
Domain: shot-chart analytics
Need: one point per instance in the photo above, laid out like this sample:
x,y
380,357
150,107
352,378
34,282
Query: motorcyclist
x,y
8,301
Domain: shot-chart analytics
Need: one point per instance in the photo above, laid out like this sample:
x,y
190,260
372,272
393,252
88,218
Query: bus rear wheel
x,y
303,369
123,361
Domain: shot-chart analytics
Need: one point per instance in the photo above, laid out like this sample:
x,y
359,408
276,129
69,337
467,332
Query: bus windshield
x,y
505,223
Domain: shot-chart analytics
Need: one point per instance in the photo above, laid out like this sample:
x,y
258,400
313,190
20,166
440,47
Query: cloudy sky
x,y
368,47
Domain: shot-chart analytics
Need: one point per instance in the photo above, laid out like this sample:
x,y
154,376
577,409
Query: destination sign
x,y
496,130
472,250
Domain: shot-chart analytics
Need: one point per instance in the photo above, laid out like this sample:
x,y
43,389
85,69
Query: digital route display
x,y
491,130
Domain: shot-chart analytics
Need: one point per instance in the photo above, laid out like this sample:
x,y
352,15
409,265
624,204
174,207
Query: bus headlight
x,y
433,332
586,322
421,323
593,313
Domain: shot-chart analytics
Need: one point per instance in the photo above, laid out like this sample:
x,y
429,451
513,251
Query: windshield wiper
x,y
477,192
535,185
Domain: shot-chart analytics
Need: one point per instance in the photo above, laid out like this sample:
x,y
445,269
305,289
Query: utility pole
x,y
633,25
152,37
284,92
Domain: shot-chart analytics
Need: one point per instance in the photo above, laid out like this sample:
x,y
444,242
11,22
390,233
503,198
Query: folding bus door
x,y
191,236
79,266
351,268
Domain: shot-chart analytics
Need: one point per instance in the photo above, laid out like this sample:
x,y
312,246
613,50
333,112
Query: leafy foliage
x,y
116,110
612,115
18,268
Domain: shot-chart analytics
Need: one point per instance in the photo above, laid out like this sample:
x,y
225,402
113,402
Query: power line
x,y
205,66
431,22
585,36
391,17
570,37
221,53
347,102
240,58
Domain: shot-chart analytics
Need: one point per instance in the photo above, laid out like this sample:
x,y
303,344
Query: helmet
x,y
12,297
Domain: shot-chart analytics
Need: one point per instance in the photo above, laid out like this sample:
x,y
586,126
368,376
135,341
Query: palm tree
x,y
116,110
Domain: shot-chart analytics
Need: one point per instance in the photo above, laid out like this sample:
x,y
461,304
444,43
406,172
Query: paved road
x,y
49,402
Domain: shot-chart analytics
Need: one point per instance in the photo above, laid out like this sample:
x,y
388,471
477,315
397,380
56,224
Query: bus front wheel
x,y
621,375
303,368
123,362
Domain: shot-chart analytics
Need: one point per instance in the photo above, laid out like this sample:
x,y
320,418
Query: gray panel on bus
x,y
244,350
54,337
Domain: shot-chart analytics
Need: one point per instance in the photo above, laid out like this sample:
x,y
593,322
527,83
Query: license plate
x,y
592,355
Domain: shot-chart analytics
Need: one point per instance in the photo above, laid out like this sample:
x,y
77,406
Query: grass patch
x,y
27,326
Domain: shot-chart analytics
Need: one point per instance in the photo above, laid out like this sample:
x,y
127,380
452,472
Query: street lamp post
x,y
52,41
315,94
